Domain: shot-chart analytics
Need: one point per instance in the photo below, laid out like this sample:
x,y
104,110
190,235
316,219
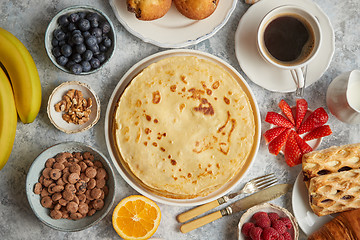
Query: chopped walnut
x,y
75,107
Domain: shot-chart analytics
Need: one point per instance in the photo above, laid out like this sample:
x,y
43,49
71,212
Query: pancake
x,y
184,127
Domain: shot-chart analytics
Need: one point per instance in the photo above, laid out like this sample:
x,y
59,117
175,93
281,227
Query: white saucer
x,y
261,72
308,221
173,30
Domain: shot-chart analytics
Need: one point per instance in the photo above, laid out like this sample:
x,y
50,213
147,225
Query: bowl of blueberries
x,y
80,40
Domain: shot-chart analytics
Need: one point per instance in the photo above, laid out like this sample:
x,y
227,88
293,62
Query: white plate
x,y
116,157
174,30
261,72
56,117
308,221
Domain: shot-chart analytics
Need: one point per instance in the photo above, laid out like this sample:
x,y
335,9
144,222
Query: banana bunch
x,y
22,96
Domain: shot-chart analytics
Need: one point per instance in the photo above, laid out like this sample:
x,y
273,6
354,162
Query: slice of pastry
x,y
196,9
330,160
335,192
148,9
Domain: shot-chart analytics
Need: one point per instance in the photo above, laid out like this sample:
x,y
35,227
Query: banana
x,y
23,75
8,119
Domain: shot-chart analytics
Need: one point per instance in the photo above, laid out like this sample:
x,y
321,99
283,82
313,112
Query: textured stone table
x,y
28,21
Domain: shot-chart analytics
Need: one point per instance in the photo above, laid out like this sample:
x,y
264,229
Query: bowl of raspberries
x,y
80,40
268,222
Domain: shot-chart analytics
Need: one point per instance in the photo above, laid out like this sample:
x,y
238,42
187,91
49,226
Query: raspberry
x,y
258,214
269,233
246,228
287,222
287,236
273,216
281,237
263,221
279,226
255,233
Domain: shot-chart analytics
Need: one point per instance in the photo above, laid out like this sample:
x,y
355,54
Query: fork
x,y
252,186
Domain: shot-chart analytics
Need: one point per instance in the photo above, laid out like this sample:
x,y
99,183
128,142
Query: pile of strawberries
x,y
267,226
286,136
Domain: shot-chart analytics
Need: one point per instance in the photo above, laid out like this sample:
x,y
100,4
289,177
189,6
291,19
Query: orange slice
x,y
136,217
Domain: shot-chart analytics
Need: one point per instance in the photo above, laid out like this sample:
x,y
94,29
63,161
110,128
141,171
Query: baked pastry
x,y
346,226
196,9
335,192
148,9
330,160
184,127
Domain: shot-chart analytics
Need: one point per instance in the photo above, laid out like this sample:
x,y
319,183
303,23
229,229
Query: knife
x,y
242,204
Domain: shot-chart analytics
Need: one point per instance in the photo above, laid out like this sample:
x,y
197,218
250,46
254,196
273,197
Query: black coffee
x,y
288,39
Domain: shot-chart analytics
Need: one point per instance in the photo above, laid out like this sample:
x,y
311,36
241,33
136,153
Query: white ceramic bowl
x,y
268,207
56,117
54,25
117,159
44,214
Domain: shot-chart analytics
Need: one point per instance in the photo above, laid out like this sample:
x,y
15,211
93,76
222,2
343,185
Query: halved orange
x,y
136,217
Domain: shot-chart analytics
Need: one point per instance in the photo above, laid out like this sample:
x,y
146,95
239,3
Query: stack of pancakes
x,y
184,127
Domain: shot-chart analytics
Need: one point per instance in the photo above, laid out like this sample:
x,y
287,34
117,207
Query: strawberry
x,y
276,145
292,150
318,133
301,108
272,133
304,147
278,120
285,108
318,118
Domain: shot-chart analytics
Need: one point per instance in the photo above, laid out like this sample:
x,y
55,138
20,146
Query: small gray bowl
x,y
42,213
54,25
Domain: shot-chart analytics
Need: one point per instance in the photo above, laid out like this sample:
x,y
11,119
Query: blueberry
x,y
84,25
77,39
76,69
62,60
62,43
59,34
102,48
95,63
71,27
97,32
82,15
74,17
107,42
86,34
63,21
87,55
54,42
69,64
56,52
94,23
75,32
99,40
105,27
81,48
76,57
85,66
66,50
95,49
90,41
101,57
92,16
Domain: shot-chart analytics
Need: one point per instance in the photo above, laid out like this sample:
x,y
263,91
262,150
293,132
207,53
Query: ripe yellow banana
x,y
8,119
23,74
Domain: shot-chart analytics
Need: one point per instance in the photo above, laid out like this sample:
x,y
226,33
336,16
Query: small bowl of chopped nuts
x,y
70,186
73,107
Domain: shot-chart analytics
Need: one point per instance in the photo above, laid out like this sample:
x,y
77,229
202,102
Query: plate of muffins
x,y
173,23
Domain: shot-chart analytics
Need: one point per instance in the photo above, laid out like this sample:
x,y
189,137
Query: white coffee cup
x,y
282,42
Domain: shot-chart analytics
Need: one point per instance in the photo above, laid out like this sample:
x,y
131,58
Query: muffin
x,y
196,9
148,10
